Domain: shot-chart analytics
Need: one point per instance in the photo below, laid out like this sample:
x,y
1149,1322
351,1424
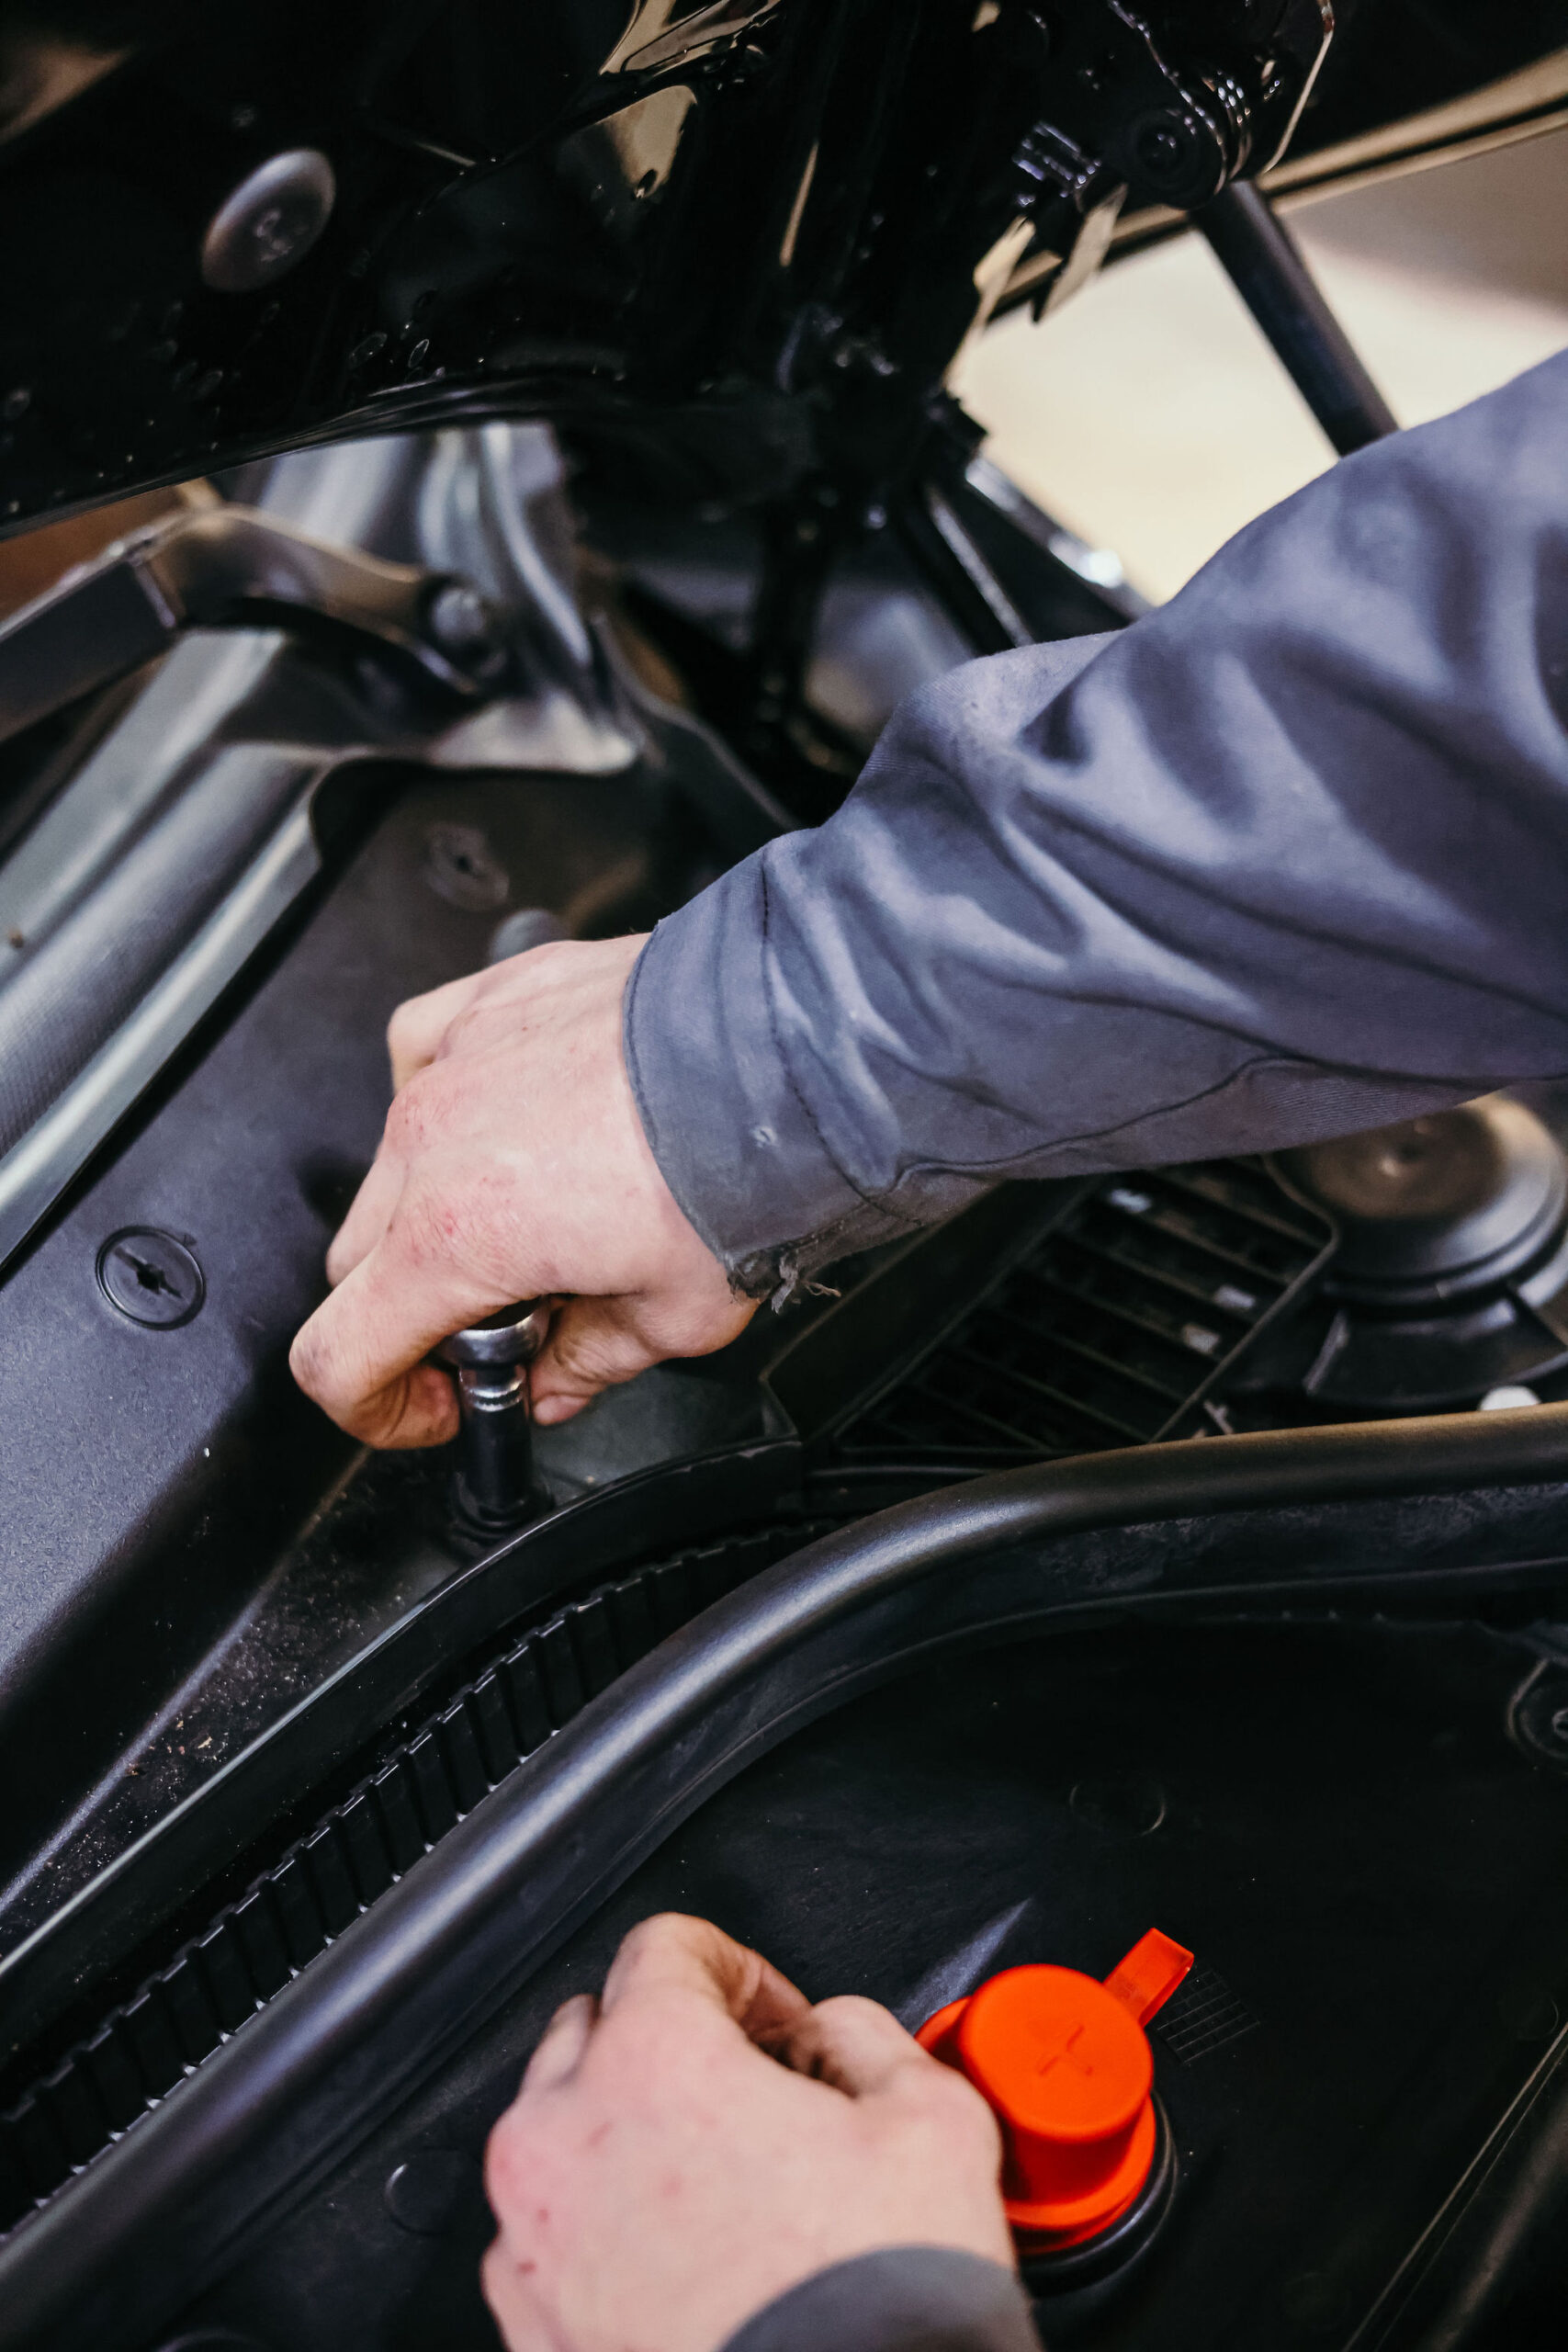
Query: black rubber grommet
x,y
1067,2268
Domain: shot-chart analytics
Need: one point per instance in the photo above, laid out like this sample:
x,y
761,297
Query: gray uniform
x,y
1287,858
904,2299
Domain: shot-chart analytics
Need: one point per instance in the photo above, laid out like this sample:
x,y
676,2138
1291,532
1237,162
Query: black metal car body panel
x,y
743,236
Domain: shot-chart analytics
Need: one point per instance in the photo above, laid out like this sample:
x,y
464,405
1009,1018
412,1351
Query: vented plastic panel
x,y
1115,1326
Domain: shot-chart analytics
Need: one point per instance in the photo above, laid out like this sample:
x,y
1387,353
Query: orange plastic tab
x,y
1145,1980
1065,2064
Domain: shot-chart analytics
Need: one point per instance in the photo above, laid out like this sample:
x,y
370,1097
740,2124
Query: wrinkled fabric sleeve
x,y
1286,859
903,2299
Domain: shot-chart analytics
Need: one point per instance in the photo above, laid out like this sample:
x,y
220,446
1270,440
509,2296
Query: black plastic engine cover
x,y
155,1475
1371,1874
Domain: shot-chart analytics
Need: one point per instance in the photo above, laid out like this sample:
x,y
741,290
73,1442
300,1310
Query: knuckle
x,y
408,1031
851,2008
316,1358
654,1934
407,1120
305,1360
959,2107
596,1352
401,1028
425,1223
507,2160
579,1361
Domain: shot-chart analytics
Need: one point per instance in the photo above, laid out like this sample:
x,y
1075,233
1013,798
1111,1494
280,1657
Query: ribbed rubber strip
x,y
1430,1518
359,1849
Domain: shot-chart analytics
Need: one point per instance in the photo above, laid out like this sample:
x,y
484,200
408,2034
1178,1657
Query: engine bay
x,y
255,1675
1175,1548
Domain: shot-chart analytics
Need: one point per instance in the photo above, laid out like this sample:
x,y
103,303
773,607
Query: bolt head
x,y
267,225
1171,156
460,620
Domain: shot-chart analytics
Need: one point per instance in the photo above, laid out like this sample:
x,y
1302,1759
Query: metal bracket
x,y
1127,98
233,566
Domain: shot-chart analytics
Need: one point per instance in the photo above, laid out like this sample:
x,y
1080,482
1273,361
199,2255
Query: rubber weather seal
x,y
1432,1516
414,1792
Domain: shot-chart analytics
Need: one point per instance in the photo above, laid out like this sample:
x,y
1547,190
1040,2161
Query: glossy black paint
x,y
742,235
1392,58
534,206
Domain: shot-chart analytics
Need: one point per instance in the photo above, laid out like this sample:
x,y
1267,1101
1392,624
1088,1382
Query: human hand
x,y
660,2178
513,1165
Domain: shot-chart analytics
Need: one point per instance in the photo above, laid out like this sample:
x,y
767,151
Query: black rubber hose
x,y
1437,1513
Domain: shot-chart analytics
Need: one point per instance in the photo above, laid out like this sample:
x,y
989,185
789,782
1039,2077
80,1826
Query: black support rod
x,y
1262,261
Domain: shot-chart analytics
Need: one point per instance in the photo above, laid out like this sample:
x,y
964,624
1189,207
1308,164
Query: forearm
x,y
1284,860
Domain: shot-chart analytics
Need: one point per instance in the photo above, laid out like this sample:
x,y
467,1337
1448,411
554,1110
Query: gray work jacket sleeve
x,y
901,2299
1287,858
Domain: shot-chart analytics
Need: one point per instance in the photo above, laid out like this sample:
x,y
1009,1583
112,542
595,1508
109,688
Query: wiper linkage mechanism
x,y
231,567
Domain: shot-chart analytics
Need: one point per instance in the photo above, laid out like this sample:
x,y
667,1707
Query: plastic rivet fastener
x,y
430,2191
151,1277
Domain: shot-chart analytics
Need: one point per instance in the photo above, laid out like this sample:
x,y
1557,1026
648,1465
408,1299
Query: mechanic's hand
x,y
514,1166
660,2178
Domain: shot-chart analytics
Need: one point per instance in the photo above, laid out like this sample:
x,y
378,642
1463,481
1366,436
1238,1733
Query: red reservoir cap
x,y
1065,2064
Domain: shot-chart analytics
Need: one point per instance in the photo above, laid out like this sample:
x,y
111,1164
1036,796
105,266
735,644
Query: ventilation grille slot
x,y
1203,2016
148,2044
1112,1330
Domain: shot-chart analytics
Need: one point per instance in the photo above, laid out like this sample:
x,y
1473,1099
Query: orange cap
x,y
1065,2064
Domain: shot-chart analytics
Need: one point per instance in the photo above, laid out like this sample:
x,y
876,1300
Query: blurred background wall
x,y
1150,416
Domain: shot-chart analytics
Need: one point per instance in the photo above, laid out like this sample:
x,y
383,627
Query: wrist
x,y
727,1117
898,2299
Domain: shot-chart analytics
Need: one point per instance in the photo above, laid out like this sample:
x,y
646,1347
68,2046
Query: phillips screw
x,y
494,1485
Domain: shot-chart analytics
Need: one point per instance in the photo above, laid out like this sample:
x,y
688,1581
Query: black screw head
x,y
151,1277
1163,145
459,620
1172,158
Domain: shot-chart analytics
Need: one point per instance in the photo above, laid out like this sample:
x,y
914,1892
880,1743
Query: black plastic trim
x,y
1432,1514
415,1791
675,1506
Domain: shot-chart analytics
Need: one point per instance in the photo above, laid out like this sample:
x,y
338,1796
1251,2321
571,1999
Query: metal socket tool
x,y
495,1485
